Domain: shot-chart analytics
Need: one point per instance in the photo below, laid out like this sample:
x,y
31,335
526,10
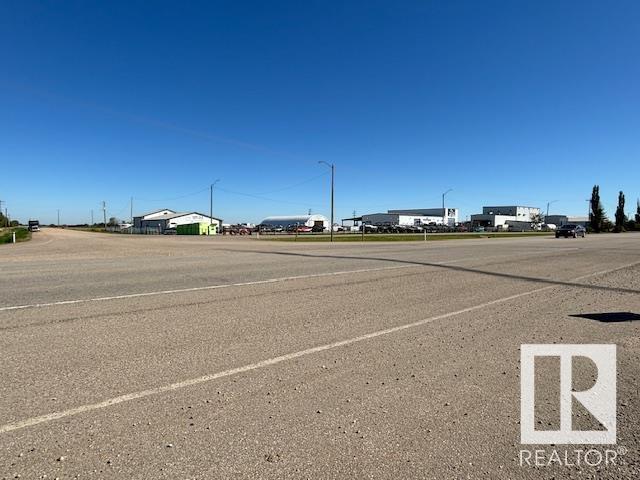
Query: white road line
x,y
240,284
207,287
30,422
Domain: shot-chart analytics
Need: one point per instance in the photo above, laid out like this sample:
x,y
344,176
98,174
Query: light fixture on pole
x,y
445,217
333,169
211,204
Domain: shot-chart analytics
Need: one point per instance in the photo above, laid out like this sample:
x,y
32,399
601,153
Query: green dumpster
x,y
202,228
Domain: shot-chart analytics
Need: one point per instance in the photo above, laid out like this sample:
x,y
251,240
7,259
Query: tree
x,y
621,218
113,221
536,218
597,215
638,212
3,220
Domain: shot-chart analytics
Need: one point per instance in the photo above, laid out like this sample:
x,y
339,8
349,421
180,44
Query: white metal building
x,y
399,219
499,217
301,220
162,220
440,216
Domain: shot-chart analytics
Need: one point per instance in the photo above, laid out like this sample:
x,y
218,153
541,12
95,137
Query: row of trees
x,y
4,221
598,220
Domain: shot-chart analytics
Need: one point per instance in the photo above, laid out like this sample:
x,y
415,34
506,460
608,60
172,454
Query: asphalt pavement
x,y
127,356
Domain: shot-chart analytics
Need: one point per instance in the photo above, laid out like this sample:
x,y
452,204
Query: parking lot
x,y
127,356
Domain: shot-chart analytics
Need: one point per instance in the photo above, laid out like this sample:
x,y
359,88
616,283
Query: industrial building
x,y
502,216
583,221
410,217
556,220
159,221
564,219
317,221
440,216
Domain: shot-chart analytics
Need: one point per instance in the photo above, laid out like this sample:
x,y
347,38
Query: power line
x,y
173,198
303,182
259,197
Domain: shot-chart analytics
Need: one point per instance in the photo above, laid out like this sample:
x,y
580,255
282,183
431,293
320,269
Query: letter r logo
x,y
599,400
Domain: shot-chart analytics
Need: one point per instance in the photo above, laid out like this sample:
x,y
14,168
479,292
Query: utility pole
x,y
58,217
333,171
445,219
131,227
92,222
104,213
1,202
211,204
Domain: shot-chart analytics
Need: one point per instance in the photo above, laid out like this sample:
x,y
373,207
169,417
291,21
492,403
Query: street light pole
x,y
550,203
211,205
333,169
444,212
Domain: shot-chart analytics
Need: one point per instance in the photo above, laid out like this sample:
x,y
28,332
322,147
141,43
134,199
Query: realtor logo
x,y
599,400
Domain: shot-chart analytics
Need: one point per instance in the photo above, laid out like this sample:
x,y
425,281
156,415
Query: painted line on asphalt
x,y
30,422
229,285
207,287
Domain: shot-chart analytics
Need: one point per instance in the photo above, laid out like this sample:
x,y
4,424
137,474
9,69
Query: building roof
x,y
427,212
509,206
155,211
169,216
487,215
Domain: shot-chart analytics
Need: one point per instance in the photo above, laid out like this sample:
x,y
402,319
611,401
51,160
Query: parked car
x,y
237,230
571,230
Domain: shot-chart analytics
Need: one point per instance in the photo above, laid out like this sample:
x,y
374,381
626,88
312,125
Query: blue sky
x,y
506,102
